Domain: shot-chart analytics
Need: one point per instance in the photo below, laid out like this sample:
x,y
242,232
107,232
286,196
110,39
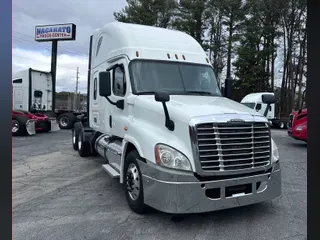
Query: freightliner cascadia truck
x,y
157,117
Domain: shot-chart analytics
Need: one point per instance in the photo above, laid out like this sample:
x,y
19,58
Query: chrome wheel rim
x,y
281,125
15,126
73,137
64,121
79,144
133,181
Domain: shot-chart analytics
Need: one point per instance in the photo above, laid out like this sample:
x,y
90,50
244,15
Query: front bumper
x,y
43,125
298,135
173,192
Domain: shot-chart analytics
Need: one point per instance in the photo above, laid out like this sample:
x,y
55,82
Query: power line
x,y
48,47
15,55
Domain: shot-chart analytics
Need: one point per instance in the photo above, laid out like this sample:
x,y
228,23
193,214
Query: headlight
x,y
300,128
275,152
171,158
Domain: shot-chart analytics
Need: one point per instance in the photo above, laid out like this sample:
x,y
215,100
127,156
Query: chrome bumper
x,y
175,192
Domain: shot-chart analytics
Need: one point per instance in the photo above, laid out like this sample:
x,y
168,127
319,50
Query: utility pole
x,y
76,93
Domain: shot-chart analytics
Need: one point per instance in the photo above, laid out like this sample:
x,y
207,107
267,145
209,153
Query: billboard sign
x,y
60,32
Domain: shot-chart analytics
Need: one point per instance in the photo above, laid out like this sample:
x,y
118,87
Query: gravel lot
x,y
58,195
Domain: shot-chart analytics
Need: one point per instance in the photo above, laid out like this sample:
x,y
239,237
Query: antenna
x,y
76,93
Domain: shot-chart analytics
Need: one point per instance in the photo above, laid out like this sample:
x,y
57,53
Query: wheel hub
x,y
15,126
64,121
133,181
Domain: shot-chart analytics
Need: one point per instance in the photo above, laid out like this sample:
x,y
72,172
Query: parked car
x,y
297,126
24,122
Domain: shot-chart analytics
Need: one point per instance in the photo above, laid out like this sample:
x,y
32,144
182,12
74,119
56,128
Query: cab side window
x,y
119,82
258,107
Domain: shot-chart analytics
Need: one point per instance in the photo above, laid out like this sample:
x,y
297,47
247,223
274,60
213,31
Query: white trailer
x,y
157,117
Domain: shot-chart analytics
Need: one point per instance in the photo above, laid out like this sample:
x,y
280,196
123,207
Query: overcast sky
x,y
88,15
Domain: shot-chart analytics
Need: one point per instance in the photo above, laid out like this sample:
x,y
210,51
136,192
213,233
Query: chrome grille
x,y
233,146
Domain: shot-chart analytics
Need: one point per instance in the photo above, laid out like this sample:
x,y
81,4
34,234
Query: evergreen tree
x,y
147,12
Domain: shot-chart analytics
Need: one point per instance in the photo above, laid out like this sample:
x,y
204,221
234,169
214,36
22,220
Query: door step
x,y
112,169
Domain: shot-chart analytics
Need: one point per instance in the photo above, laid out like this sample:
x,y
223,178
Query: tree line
x,y
248,40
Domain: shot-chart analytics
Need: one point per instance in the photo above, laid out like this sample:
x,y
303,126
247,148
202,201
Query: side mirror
x,y
104,84
268,98
162,97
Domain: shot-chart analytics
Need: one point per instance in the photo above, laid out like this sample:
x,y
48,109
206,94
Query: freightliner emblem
x,y
236,120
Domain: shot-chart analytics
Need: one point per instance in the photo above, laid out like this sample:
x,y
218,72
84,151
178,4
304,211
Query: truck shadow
x,y
226,215
299,145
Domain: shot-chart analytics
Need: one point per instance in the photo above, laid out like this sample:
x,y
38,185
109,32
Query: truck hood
x,y
183,108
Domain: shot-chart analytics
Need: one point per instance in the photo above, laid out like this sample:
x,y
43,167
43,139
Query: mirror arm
x,y
267,109
169,123
112,103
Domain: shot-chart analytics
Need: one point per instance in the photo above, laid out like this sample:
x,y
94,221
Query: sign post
x,y
55,33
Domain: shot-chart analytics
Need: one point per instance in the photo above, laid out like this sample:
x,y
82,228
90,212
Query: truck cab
x,y
298,125
254,101
157,117
32,90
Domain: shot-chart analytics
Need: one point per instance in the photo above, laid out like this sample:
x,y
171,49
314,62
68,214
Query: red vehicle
x,y
297,126
24,122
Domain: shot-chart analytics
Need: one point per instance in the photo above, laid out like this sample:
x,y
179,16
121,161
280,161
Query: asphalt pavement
x,y
58,195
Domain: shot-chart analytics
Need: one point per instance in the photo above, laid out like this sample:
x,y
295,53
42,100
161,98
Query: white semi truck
x,y
254,101
157,117
32,92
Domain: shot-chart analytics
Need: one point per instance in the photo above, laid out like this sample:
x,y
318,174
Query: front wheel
x,y
75,137
19,125
83,145
133,183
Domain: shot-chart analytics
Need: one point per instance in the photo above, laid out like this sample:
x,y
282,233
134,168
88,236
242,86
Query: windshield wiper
x,y
200,93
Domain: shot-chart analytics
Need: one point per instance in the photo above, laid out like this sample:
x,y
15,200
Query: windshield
x,y
250,105
175,78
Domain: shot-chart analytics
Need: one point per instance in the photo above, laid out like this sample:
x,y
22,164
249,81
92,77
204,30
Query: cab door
x,y
120,90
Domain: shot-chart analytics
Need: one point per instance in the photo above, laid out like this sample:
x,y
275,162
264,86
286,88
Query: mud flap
x,y
54,125
31,127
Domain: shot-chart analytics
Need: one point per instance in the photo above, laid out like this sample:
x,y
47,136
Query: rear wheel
x,y
66,120
133,183
83,146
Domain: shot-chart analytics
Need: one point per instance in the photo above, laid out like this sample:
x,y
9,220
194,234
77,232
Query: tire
x,y
83,146
66,120
133,184
75,137
19,125
48,127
